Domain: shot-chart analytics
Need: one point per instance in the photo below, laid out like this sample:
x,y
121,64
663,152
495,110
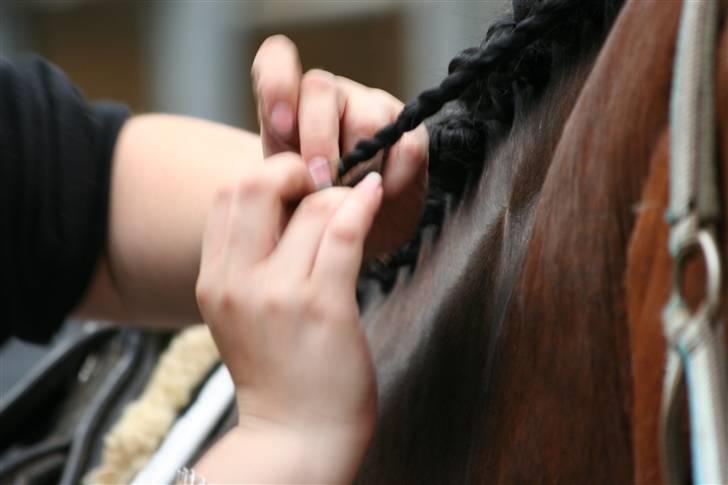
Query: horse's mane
x,y
506,355
475,117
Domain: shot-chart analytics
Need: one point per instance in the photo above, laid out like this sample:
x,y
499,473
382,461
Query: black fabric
x,y
55,164
94,381
22,405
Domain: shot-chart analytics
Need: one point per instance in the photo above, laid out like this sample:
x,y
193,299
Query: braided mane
x,y
487,89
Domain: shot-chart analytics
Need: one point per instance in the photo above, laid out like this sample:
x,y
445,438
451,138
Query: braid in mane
x,y
463,70
487,90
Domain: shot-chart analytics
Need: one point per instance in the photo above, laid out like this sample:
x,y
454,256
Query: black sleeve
x,y
55,163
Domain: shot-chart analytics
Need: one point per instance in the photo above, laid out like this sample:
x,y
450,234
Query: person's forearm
x,y
263,456
166,170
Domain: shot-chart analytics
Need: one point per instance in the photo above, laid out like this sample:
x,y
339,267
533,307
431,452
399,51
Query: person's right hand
x,y
282,310
323,116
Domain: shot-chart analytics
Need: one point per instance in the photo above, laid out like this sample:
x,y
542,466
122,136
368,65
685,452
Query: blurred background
x,y
193,56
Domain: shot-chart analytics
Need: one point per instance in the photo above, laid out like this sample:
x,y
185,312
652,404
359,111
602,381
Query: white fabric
x,y
190,431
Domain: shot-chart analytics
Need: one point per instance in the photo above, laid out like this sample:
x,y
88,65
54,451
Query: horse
x,y
526,344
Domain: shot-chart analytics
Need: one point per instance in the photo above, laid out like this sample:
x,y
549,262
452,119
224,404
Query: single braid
x,y
466,68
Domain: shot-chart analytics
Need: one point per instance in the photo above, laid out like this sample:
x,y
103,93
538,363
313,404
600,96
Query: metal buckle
x,y
685,330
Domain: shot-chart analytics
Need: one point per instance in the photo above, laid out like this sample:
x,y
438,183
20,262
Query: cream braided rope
x,y
145,422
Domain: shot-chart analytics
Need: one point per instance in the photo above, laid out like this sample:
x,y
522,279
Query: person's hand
x,y
322,116
282,309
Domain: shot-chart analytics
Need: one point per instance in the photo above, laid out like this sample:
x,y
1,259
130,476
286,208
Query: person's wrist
x,y
257,451
315,452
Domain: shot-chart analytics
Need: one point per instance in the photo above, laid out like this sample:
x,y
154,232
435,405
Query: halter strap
x,y
696,350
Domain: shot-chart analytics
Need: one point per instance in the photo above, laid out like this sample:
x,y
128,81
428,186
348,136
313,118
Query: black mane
x,y
482,114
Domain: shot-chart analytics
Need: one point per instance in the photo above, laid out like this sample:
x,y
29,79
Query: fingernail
x,y
371,183
320,172
281,119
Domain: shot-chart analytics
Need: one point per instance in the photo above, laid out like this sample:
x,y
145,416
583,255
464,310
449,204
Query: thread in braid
x,y
465,69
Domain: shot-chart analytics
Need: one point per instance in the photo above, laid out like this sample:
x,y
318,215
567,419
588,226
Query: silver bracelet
x,y
187,476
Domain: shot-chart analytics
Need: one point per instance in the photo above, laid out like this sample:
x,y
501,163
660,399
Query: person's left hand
x,y
281,306
322,116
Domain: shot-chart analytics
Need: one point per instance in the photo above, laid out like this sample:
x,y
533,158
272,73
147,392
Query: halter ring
x,y
683,329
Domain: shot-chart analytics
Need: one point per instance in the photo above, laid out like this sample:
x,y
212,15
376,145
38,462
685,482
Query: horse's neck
x,y
435,338
506,357
483,242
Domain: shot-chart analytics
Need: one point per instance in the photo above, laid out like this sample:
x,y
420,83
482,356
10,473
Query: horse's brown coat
x,y
507,356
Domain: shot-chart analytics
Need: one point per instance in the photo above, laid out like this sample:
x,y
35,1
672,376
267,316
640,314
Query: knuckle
x,y
318,80
325,203
385,98
230,296
413,148
318,309
203,293
252,185
292,161
317,205
227,301
308,297
227,295
344,232
275,303
370,124
285,176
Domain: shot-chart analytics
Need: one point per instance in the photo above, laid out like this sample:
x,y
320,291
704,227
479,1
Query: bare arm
x,y
166,170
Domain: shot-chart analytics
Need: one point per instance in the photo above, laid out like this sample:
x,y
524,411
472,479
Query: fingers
x,y
318,114
320,108
288,177
340,253
258,206
367,111
406,165
296,251
276,76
